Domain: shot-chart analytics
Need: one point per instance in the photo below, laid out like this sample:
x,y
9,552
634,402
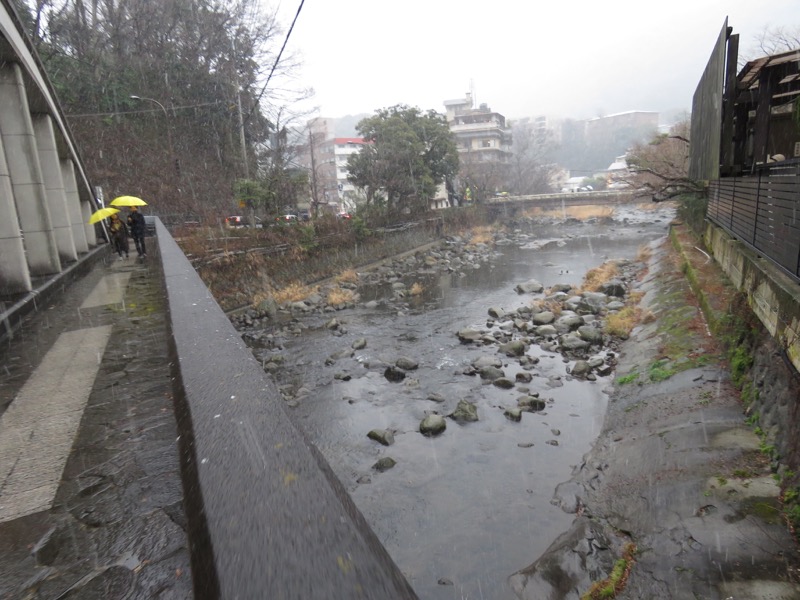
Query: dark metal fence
x,y
763,211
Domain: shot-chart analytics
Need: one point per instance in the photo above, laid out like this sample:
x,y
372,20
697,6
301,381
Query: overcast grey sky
x,y
575,58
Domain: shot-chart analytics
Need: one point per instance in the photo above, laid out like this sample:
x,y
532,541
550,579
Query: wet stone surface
x,y
117,527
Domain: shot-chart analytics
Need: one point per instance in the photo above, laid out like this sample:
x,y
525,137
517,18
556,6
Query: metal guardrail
x,y
763,212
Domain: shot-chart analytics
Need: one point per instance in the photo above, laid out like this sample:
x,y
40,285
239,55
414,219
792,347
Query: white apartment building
x,y
343,148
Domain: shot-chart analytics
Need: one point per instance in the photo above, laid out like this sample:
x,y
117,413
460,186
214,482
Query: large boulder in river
x,y
531,403
382,436
543,318
593,335
465,412
572,342
384,464
268,307
581,368
406,363
546,330
394,374
613,287
491,373
487,361
529,287
568,322
467,336
592,302
513,348
496,312
503,383
432,425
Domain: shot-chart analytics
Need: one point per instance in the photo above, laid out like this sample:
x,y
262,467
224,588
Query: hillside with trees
x,y
173,101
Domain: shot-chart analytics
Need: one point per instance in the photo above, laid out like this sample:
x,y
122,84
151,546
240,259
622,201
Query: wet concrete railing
x,y
267,516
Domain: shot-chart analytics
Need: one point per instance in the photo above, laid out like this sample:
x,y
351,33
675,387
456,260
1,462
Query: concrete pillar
x,y
74,205
86,213
54,186
27,185
14,275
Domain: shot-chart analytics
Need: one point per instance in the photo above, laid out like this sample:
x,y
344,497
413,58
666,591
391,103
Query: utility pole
x,y
314,197
239,111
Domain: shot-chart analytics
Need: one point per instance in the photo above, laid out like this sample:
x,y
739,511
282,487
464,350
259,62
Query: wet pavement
x,y
90,496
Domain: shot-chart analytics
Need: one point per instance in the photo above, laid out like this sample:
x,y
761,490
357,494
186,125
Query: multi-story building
x,y
326,161
343,148
479,132
484,146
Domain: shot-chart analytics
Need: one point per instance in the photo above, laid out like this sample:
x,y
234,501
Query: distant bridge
x,y
551,201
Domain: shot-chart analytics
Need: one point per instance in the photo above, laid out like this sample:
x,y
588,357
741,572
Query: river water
x,y
462,511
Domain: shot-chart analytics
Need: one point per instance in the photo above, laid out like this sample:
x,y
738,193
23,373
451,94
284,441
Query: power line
x,y
146,110
275,64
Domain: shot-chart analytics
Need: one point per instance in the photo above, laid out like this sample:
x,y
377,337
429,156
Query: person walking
x,y
119,235
137,226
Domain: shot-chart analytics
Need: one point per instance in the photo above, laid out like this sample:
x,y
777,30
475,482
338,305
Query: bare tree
x,y
531,165
772,40
659,169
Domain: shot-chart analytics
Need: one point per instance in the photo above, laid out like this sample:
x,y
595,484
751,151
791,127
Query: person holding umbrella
x,y
135,220
137,227
119,235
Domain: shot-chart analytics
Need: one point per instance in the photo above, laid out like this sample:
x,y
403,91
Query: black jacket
x,y
136,222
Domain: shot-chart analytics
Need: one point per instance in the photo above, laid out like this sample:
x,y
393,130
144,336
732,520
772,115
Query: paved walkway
x,y
90,491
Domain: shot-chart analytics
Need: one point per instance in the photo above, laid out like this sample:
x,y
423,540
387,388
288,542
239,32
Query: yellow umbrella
x,y
101,214
128,201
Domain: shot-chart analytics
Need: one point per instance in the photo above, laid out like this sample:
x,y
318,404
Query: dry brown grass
x,y
338,296
575,212
347,276
294,292
416,289
553,306
259,297
482,234
648,316
620,324
599,275
644,254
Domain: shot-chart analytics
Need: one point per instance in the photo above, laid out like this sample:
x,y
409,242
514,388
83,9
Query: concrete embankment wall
x,y
773,380
772,295
267,516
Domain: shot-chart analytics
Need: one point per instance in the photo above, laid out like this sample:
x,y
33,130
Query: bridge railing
x,y
607,195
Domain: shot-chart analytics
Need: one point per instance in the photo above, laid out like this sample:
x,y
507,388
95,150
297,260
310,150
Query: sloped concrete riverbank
x,y
677,472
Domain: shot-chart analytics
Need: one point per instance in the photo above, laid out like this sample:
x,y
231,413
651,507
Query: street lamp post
x,y
166,123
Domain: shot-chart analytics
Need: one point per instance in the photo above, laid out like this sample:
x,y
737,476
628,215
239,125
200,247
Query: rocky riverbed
x,y
455,388
677,479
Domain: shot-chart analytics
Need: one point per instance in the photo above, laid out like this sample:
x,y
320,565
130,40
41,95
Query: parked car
x,y
287,219
238,221
344,215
